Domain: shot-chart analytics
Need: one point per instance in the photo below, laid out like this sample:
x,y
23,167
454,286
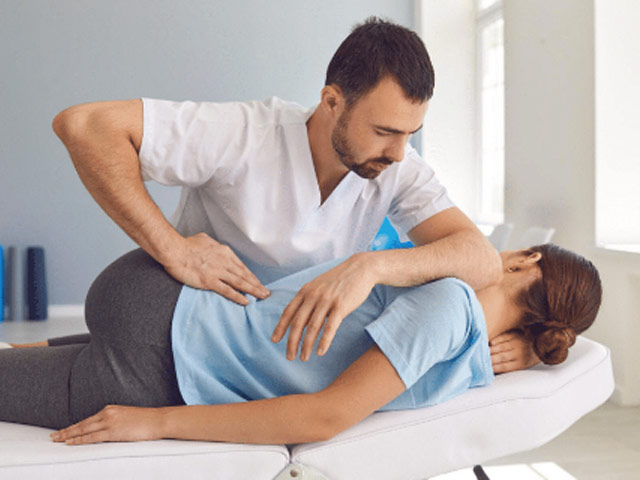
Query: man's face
x,y
373,133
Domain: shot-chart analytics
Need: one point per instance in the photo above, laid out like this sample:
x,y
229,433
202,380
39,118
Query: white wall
x,y
551,156
448,139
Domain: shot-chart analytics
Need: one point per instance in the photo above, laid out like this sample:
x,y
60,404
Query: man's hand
x,y
114,423
334,294
511,351
208,265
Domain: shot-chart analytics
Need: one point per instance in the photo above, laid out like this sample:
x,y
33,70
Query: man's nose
x,y
395,151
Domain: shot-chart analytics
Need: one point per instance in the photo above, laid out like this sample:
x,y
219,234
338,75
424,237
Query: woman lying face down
x,y
402,348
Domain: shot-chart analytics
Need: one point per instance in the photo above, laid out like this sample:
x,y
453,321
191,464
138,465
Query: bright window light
x,y
617,69
491,117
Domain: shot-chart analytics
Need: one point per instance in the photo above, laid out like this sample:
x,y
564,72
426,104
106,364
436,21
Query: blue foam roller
x,y
36,284
14,281
387,238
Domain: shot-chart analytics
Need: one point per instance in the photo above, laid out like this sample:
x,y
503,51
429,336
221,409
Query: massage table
x,y
519,411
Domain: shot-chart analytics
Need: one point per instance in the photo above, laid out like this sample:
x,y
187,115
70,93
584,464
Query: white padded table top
x,y
27,453
520,411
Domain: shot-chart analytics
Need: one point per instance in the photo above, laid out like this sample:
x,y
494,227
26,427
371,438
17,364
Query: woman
x,y
402,348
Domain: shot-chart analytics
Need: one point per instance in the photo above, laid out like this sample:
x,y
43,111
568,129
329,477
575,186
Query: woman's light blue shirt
x,y
434,335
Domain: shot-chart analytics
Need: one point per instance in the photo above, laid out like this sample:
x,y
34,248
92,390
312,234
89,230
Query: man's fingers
x,y
311,333
285,318
296,328
230,293
330,328
243,271
242,284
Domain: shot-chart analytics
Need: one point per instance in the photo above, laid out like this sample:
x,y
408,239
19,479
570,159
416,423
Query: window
x,y
490,106
617,106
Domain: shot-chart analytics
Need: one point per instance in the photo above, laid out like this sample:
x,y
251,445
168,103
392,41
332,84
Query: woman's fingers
x,y
500,348
504,367
86,426
502,338
94,437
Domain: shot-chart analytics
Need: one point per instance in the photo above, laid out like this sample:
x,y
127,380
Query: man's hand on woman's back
x,y
204,263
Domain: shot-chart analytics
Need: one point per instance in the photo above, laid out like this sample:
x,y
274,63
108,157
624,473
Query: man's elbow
x,y
70,123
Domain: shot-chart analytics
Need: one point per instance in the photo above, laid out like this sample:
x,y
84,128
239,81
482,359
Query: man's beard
x,y
371,168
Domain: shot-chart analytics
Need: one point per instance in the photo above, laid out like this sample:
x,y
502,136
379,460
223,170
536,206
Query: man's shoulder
x,y
275,110
272,111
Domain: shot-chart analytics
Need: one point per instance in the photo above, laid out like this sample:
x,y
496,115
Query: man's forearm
x,y
107,162
466,255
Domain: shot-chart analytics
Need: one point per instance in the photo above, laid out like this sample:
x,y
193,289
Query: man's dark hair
x,y
375,49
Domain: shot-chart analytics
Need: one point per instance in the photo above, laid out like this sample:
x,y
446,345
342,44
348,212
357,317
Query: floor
x,y
604,444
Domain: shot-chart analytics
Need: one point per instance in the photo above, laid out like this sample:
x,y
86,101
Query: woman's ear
x,y
522,259
533,257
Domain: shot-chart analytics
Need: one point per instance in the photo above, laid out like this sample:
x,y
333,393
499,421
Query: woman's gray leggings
x,y
126,358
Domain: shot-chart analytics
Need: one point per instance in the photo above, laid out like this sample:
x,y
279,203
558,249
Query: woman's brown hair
x,y
562,304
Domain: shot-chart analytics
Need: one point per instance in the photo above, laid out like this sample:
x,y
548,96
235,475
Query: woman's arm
x,y
365,386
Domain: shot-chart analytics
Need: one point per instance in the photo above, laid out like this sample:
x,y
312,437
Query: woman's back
x,y
223,352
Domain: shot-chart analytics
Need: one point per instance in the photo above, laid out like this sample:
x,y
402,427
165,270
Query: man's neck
x,y
328,167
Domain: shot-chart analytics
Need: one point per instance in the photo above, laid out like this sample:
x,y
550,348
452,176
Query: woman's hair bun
x,y
551,343
563,303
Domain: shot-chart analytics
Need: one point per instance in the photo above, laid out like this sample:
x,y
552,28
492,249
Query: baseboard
x,y
66,311
623,398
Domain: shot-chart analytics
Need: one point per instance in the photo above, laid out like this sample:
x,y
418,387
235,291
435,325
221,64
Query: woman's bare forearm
x,y
288,419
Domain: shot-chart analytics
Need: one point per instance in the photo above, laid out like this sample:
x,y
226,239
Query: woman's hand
x,y
331,297
114,423
512,351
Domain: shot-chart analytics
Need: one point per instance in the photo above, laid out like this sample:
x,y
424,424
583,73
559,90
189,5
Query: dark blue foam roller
x,y
36,284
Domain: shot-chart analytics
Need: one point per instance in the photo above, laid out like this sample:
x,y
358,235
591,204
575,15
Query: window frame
x,y
484,18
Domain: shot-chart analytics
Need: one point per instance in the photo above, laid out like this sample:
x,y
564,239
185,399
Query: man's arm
x,y
450,245
103,140
365,386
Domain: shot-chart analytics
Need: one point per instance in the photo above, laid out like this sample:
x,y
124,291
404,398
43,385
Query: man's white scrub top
x,y
249,182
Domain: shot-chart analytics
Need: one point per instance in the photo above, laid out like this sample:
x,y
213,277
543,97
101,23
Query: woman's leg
x,y
69,340
34,385
129,361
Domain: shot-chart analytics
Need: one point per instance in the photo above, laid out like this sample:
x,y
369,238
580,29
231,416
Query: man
x,y
270,188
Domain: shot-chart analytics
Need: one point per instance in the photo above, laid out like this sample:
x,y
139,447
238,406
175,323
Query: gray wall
x,y
57,54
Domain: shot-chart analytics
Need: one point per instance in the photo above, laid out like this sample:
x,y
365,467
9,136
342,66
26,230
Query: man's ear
x,y
332,100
